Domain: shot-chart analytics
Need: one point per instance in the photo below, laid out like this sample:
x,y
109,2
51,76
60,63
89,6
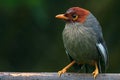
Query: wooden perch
x,y
54,76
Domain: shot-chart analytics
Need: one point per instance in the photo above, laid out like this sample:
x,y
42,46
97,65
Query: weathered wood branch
x,y
54,76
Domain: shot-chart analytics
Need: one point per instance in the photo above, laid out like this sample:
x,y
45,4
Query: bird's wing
x,y
76,66
102,50
101,46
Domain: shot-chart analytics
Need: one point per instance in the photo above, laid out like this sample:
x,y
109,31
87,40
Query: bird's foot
x,y
95,73
61,72
65,68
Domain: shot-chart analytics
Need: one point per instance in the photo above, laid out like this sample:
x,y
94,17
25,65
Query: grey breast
x,y
80,42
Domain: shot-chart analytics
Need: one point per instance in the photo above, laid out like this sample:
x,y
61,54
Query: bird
x,y
83,41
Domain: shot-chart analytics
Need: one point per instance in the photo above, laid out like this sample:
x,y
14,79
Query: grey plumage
x,y
84,43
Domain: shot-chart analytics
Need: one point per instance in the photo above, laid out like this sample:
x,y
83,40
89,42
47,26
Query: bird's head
x,y
74,14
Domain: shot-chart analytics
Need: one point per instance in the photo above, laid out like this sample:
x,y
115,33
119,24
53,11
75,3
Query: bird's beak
x,y
61,16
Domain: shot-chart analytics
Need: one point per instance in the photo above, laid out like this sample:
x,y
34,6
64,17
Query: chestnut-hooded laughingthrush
x,y
83,41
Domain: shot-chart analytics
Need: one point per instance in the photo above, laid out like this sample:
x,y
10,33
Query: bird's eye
x,y
75,16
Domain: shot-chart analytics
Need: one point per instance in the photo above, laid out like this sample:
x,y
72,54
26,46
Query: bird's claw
x,y
61,72
95,73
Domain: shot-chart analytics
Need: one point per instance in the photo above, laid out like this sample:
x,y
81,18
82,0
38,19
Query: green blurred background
x,y
31,37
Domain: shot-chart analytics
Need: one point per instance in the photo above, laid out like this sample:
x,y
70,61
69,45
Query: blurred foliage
x,y
31,37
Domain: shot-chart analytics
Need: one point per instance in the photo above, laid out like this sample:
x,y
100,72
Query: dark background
x,y
31,37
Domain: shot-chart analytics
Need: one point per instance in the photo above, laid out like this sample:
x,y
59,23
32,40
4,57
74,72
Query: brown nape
x,y
82,14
